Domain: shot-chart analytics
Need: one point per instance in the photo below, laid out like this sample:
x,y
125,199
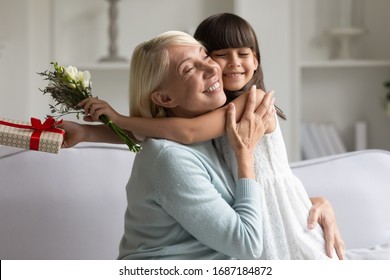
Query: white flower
x,y
83,78
86,79
71,72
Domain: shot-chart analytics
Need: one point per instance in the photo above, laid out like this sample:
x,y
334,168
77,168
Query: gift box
x,y
36,135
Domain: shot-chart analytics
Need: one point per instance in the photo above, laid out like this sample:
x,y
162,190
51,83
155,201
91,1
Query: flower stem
x,y
132,144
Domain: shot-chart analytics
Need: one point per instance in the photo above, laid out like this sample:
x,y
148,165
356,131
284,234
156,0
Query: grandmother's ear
x,y
162,99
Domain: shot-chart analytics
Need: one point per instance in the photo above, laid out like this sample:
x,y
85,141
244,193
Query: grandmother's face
x,y
194,84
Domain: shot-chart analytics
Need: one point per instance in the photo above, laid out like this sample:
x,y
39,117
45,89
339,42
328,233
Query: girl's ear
x,y
162,99
256,62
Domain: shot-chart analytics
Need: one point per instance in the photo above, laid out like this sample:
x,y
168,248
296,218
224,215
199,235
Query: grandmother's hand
x,y
244,135
322,213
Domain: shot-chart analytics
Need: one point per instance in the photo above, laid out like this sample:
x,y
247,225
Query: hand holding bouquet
x,y
68,87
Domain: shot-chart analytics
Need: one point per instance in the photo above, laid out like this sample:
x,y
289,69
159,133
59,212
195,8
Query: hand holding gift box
x,y
36,135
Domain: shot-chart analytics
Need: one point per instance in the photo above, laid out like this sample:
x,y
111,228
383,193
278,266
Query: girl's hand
x,y
94,108
244,135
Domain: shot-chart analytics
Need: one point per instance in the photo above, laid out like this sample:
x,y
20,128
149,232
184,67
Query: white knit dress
x,y
285,204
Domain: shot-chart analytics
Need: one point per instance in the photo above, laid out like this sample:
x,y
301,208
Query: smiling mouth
x,y
214,87
233,75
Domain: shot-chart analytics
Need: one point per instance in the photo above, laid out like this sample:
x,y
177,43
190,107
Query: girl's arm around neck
x,y
187,131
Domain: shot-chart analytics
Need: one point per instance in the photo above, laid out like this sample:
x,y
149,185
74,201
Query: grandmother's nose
x,y
211,70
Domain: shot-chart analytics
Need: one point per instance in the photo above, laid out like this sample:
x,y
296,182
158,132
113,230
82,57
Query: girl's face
x,y
194,84
238,66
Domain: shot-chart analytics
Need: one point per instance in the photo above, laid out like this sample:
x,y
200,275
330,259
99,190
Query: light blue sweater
x,y
184,204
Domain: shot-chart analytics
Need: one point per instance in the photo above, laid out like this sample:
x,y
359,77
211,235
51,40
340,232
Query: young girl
x,y
232,43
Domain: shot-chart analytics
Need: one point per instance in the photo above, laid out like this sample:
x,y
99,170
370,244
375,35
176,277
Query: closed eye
x,y
219,55
188,69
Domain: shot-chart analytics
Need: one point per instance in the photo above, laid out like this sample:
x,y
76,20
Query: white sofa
x,y
71,205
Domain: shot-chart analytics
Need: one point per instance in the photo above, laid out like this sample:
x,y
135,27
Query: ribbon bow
x,y
38,126
47,125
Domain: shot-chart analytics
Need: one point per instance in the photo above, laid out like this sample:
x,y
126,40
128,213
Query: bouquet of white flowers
x,y
68,87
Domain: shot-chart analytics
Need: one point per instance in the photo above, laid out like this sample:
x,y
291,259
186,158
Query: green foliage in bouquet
x,y
68,87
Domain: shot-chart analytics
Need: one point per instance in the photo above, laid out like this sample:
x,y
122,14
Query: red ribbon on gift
x,y
38,127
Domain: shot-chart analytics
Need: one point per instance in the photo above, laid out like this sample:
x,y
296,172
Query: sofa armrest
x,y
358,186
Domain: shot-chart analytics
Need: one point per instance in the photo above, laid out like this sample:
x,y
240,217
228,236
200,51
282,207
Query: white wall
x,y
14,58
40,54
24,34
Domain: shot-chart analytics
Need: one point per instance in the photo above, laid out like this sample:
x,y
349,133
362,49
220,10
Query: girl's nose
x,y
233,61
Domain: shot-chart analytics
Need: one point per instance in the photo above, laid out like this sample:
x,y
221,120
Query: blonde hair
x,y
149,68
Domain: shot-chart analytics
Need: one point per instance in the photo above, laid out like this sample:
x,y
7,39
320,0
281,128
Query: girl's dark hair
x,y
225,30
